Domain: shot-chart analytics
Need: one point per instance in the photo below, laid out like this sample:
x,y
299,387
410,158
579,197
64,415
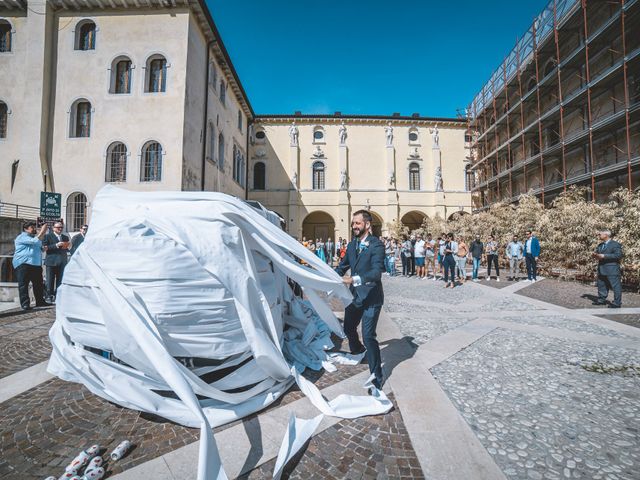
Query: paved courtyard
x,y
487,383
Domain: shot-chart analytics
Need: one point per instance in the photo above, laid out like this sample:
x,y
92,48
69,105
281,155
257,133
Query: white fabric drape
x,y
169,287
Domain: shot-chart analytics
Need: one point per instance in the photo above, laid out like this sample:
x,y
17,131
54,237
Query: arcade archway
x,y
318,225
413,220
376,224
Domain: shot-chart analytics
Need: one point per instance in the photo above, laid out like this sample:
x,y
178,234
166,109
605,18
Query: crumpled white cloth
x,y
177,304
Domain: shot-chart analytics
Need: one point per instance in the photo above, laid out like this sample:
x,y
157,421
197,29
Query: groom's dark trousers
x,y
369,318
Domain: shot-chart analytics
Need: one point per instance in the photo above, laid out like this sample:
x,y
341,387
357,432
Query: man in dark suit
x,y
77,240
609,254
56,244
365,259
330,248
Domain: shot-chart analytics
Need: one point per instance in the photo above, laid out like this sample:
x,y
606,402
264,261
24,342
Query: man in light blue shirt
x,y
27,263
515,251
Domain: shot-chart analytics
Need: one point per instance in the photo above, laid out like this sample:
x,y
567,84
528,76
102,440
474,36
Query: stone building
x,y
316,170
138,93
143,94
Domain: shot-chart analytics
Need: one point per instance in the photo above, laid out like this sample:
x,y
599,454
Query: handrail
x,y
13,210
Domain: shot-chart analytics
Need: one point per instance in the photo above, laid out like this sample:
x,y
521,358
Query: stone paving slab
x,y
542,411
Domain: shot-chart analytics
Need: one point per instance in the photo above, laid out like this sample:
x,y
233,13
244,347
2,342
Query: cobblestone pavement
x,y
43,429
543,407
24,339
547,408
573,294
365,448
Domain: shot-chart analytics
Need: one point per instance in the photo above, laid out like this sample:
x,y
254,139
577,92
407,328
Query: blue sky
x,y
368,56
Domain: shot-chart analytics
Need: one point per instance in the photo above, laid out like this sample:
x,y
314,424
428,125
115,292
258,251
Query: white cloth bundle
x,y
174,286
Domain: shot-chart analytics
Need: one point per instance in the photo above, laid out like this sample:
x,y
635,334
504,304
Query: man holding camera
x,y
27,264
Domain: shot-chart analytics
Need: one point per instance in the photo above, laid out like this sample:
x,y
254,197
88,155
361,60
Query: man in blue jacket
x,y
27,263
365,259
531,254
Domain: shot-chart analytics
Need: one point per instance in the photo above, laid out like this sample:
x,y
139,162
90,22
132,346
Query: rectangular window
x,y
213,74
123,76
240,120
5,37
83,119
223,92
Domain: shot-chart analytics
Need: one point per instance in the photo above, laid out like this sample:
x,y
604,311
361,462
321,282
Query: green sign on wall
x,y
50,205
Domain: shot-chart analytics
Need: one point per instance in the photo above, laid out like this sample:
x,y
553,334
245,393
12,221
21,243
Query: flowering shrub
x,y
567,229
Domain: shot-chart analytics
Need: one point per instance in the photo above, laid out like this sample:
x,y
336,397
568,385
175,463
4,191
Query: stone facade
x,y
394,177
144,95
137,138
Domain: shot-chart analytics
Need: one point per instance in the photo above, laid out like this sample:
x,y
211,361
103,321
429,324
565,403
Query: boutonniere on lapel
x,y
363,246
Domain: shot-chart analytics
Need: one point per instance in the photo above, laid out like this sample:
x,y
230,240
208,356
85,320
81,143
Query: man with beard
x,y
365,259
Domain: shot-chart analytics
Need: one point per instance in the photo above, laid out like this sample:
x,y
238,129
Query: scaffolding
x,y
563,108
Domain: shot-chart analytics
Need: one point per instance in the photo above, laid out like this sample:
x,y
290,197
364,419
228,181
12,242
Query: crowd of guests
x,y
444,257
30,246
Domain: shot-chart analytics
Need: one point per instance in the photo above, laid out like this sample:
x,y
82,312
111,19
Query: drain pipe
x,y
205,129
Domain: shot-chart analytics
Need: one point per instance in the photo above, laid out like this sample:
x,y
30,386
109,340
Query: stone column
x,y
343,222
392,208
295,222
439,203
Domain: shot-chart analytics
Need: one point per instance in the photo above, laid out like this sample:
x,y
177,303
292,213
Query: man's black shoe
x,y
27,308
613,306
359,351
598,303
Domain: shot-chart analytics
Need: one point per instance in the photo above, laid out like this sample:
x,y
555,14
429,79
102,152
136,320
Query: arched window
x,y
4,121
259,180
156,74
548,68
318,135
414,138
318,176
121,75
85,35
80,119
468,178
414,176
5,36
76,211
220,151
211,134
151,165
116,169
531,85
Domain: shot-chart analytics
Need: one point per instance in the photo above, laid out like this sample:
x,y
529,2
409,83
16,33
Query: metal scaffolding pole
x,y
626,92
535,57
589,118
506,103
524,149
555,35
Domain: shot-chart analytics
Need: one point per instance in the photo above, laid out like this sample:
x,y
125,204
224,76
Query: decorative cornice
x,y
309,119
